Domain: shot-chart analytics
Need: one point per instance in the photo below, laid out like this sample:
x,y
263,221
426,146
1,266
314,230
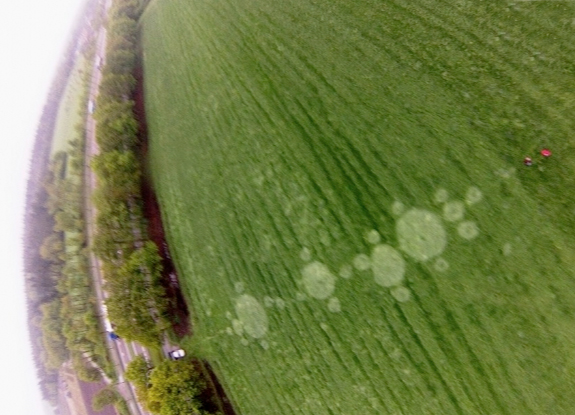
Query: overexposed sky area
x,y
33,34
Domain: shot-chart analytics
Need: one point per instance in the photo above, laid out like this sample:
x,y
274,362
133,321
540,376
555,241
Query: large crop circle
x,y
252,317
421,234
318,281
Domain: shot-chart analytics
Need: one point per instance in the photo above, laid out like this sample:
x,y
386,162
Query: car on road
x,y
176,354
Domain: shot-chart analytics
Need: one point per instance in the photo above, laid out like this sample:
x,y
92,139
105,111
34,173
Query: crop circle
x,y
441,265
473,195
362,262
334,305
252,316
346,272
318,281
373,237
441,196
388,266
468,230
397,208
401,294
421,234
453,211
238,327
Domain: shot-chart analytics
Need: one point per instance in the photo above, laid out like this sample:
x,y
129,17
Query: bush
x,y
105,397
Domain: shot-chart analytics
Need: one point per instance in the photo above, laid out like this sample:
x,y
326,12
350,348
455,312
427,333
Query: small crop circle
x,y
401,294
441,265
453,211
441,196
238,327
473,195
373,237
362,262
334,305
397,208
346,272
468,230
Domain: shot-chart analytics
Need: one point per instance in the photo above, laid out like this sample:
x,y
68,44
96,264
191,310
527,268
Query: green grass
x,y
289,138
70,108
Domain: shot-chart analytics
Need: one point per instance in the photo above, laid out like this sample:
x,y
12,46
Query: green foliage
x,y
115,87
52,337
57,125
52,248
115,233
121,61
69,323
136,303
117,126
65,221
84,369
105,397
119,172
174,389
170,388
126,8
123,27
117,44
122,407
137,372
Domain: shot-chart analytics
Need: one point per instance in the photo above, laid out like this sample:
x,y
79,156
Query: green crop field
x,y
69,114
343,188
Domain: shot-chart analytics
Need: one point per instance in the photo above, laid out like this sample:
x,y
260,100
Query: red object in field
x,y
527,161
545,153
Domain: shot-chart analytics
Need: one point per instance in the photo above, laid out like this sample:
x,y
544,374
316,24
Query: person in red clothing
x,y
527,161
545,153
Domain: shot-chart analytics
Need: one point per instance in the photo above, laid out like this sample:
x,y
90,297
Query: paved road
x,y
121,352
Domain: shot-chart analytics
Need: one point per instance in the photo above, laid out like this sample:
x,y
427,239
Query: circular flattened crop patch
x,y
373,237
318,281
468,230
388,266
334,305
401,294
397,208
441,265
252,316
441,196
421,234
473,195
238,327
453,211
346,272
361,262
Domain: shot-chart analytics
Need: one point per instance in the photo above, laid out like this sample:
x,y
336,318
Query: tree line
x,y
70,325
40,273
136,303
172,387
